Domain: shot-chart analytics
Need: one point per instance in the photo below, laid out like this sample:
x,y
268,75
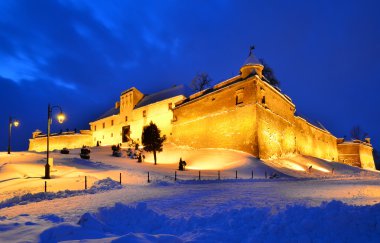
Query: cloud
x,y
82,54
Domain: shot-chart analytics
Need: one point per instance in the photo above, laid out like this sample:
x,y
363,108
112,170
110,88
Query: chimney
x,y
117,105
367,140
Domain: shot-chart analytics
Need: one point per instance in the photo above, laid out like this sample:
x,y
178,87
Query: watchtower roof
x,y
252,60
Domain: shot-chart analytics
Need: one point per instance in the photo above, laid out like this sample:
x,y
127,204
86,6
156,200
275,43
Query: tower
x,y
252,65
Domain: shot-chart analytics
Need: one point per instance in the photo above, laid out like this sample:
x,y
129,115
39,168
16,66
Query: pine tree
x,y
269,74
152,140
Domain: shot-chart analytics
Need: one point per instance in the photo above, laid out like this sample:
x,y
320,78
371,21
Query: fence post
x,y
120,178
199,175
45,185
218,174
252,174
85,182
148,177
236,175
175,175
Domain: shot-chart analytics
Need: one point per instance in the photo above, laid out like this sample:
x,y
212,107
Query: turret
x,y
36,133
251,66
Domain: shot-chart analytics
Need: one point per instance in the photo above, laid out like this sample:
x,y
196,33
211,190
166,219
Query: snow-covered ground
x,y
331,202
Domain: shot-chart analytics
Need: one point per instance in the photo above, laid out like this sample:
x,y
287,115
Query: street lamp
x,y
61,117
12,123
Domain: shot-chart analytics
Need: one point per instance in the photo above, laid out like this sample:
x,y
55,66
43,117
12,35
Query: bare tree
x,y
269,74
200,82
358,133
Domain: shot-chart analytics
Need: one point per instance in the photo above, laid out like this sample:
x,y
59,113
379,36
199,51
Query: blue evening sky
x,y
83,54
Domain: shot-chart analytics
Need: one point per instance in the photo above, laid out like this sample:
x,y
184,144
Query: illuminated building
x,y
244,113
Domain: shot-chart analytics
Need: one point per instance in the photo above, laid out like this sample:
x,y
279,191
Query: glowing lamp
x,y
11,124
61,117
16,123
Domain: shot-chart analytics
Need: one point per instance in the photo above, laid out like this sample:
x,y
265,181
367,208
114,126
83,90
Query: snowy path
x,y
210,197
186,200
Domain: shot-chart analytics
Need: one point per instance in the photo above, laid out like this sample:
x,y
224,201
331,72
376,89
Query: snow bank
x,y
298,166
202,158
333,221
101,185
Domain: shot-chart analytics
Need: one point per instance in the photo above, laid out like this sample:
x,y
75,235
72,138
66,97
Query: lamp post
x,y
60,118
11,124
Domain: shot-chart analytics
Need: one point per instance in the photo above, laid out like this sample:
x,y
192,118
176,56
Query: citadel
x,y
244,113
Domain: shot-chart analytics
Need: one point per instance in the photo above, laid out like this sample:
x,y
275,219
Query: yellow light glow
x,y
321,168
61,117
16,123
292,166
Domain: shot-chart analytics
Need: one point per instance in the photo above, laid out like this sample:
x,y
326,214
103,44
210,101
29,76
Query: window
x,y
239,98
95,128
104,124
111,134
126,118
111,122
144,113
170,106
263,100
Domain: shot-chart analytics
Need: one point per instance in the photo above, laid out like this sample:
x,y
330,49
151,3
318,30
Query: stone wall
x,y
356,153
59,142
263,125
219,119
366,156
275,122
313,141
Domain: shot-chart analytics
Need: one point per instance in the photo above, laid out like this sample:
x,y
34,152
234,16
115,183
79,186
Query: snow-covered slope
x,y
21,172
286,209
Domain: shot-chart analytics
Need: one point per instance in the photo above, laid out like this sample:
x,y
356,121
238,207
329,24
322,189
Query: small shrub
x,y
65,151
85,153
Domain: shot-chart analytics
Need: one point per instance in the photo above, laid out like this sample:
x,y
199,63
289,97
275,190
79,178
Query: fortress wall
x,y
276,136
366,157
315,142
356,153
71,141
349,153
216,121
